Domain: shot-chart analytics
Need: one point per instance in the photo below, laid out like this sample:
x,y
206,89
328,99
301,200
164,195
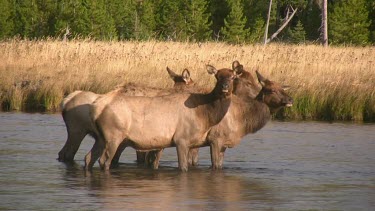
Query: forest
x,y
350,22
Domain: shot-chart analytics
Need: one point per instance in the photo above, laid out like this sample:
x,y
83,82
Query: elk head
x,y
244,85
224,79
273,94
183,79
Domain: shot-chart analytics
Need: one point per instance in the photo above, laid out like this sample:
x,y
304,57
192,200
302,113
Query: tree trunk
x,y
282,27
324,23
268,22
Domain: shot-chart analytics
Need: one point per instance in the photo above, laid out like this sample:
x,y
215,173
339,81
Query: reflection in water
x,y
285,166
136,188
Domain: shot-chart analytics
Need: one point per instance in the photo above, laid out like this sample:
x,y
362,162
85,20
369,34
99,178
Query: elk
x,y
76,106
180,120
249,111
245,115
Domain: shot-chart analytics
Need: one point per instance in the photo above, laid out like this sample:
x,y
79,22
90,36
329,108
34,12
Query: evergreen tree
x,y
147,22
25,18
297,34
6,25
348,22
170,20
257,30
197,20
124,14
219,9
234,24
102,24
371,8
46,18
311,19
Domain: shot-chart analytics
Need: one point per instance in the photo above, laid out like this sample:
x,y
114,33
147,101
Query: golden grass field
x,y
335,83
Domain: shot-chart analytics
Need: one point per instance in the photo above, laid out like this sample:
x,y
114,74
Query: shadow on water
x,y
132,187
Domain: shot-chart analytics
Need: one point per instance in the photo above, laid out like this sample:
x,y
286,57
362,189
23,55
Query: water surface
x,y
285,166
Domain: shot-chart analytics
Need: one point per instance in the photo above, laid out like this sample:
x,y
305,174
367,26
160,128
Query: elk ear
x,y
285,87
261,79
211,69
237,67
186,75
172,74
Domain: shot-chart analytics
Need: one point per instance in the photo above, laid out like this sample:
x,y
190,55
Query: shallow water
x,y
285,166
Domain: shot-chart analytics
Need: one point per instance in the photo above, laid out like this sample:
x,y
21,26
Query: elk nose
x,y
288,102
225,87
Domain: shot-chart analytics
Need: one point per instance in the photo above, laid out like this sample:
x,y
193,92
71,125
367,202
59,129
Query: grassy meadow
x,y
335,83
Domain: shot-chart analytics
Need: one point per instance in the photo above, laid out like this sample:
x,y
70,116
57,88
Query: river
x,y
285,166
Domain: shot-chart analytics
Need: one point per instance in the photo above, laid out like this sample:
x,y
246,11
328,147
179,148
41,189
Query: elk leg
x,y
153,158
141,157
193,156
108,154
217,155
71,146
182,154
221,157
116,158
93,155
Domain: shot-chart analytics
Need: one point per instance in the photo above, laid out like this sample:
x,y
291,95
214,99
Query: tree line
x,y
235,21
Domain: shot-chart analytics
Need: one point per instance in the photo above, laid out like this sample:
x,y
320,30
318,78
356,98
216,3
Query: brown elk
x,y
153,123
76,106
249,111
246,115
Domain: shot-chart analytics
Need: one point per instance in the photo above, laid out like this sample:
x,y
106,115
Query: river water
x,y
285,166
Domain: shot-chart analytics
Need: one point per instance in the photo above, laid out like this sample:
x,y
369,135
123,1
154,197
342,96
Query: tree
x,y
25,18
6,25
348,22
234,24
197,20
170,20
297,34
324,23
147,22
102,25
124,15
219,9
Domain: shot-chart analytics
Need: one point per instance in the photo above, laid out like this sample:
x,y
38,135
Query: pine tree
x,y
6,25
124,14
234,24
257,30
170,21
197,20
297,34
348,22
102,24
219,9
25,18
147,22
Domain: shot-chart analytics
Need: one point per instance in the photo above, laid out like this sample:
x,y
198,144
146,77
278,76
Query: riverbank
x,y
335,83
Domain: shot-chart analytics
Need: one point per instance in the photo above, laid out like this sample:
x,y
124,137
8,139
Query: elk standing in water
x,y
76,106
246,115
154,123
249,111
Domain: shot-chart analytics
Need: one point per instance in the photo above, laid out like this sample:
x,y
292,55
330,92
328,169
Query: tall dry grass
x,y
335,83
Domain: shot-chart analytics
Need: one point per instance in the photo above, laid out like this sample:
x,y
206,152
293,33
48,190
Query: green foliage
x,y
147,22
297,34
234,24
25,18
348,22
197,20
6,25
219,10
235,21
170,20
